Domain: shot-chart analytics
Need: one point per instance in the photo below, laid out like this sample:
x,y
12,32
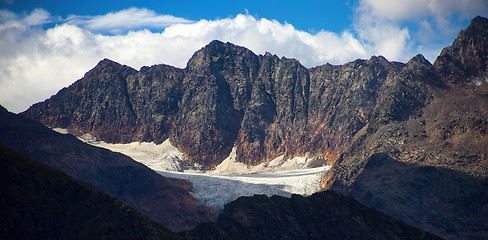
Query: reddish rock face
x,y
466,60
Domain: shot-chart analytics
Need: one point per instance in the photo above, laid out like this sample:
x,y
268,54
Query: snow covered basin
x,y
231,179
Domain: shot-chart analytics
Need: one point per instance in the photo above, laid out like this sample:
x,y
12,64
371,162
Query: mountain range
x,y
408,139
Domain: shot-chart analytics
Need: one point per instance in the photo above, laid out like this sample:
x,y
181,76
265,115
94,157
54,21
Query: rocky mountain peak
x,y
265,106
3,109
108,67
419,59
425,71
478,26
218,55
378,60
466,60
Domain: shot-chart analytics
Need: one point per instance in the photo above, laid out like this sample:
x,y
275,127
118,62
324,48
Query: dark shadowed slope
x,y
163,199
40,202
325,215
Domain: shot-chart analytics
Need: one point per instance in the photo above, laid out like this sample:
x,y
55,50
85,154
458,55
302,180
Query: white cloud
x,y
124,20
265,35
429,20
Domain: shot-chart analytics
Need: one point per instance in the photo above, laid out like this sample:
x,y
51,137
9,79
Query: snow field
x,y
217,190
229,180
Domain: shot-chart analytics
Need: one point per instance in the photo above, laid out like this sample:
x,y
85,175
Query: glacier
x,y
216,190
229,180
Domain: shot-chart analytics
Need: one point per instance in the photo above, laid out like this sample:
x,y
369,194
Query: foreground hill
x,y
40,202
163,199
324,215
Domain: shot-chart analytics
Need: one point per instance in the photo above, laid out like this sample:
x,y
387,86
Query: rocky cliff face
x,y
165,200
325,215
466,60
40,202
228,96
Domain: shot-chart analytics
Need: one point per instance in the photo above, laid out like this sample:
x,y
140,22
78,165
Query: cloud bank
x,y
37,61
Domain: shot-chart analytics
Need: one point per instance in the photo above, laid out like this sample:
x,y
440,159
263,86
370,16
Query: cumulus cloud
x,y
384,38
263,35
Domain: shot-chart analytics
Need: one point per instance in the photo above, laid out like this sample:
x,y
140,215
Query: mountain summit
x,y
229,97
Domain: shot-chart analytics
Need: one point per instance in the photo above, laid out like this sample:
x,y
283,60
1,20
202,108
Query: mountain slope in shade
x,y
40,202
163,199
324,215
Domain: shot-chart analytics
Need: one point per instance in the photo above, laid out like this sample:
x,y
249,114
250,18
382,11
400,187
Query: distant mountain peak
x,y
465,61
479,25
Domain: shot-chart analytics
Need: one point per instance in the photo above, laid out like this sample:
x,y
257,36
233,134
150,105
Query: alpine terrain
x,y
407,139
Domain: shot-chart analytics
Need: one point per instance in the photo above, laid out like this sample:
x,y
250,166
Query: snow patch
x,y
88,138
231,166
162,157
61,130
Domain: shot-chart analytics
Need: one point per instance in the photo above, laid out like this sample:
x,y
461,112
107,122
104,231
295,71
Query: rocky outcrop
x,y
40,202
116,103
165,200
466,60
325,215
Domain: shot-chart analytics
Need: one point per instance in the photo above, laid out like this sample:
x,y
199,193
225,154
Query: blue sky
x,y
304,15
47,45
